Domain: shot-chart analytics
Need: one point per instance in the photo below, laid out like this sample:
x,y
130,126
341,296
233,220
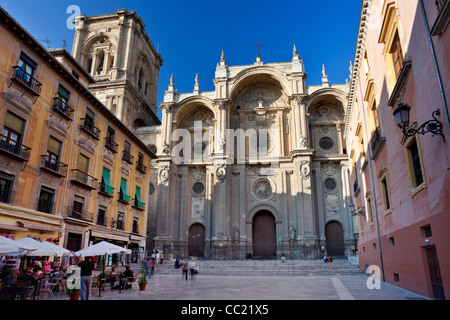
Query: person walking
x,y
192,267
87,268
185,270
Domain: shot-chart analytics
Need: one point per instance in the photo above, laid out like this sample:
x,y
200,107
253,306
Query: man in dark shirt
x,y
87,267
128,277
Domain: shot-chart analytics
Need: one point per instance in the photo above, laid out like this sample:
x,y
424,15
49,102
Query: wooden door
x,y
264,236
335,239
435,273
196,242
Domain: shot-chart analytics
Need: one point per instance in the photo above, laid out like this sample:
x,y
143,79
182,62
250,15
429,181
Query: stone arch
x,y
138,123
259,75
189,105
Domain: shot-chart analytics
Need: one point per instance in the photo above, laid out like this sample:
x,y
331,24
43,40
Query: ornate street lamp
x,y
401,115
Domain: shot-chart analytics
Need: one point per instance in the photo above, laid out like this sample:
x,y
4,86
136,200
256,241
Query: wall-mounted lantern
x,y
401,115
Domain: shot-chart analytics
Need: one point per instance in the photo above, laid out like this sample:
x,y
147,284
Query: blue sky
x,y
191,34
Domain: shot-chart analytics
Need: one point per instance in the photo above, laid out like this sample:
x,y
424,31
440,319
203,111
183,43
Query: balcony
x,y
14,149
52,166
126,156
75,213
62,108
83,179
356,188
89,127
140,166
102,190
110,144
376,143
27,81
441,22
138,204
124,198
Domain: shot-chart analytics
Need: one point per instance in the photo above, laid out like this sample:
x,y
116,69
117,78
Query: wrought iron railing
x,y
89,126
127,157
23,77
63,108
14,148
79,214
53,165
84,179
111,144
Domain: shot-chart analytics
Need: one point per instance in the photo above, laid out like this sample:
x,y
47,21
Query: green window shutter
x,y
107,180
63,93
140,204
123,188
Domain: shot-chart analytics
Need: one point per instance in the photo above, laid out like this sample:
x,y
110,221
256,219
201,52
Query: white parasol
x,y
41,250
100,249
10,247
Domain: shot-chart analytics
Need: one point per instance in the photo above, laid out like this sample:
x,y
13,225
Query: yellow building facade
x,y
70,170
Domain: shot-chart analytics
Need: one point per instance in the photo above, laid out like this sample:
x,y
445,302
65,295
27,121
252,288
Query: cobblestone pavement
x,y
257,287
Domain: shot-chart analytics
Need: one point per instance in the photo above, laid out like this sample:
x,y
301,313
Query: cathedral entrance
x,y
335,238
264,236
196,242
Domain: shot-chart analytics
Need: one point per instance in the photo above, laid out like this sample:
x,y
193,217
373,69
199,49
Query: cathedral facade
x,y
256,168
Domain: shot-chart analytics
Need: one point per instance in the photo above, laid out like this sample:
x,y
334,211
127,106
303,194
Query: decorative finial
x,y
197,86
325,81
171,80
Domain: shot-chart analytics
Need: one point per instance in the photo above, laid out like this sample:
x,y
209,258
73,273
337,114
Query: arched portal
x,y
335,238
196,242
264,236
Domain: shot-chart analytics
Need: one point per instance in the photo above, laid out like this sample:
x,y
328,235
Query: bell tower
x,y
116,50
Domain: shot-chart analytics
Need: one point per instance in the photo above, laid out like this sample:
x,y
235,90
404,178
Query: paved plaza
x,y
257,287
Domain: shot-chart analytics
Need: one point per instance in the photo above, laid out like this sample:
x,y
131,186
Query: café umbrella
x,y
11,247
41,250
100,249
59,251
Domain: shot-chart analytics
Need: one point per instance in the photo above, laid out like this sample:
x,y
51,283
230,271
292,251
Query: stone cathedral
x,y
232,203
272,177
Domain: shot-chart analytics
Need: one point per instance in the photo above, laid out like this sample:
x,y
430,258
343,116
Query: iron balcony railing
x,y
79,214
141,167
89,126
53,166
14,149
27,80
138,205
83,179
62,108
439,4
111,144
127,157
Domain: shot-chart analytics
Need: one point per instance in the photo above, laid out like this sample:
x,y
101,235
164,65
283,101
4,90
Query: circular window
x,y
151,190
198,188
330,184
262,189
326,143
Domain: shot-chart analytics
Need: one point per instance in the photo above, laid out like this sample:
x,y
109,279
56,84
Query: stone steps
x,y
266,268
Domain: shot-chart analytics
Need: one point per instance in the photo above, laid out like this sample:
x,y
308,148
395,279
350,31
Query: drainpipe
x,y
436,66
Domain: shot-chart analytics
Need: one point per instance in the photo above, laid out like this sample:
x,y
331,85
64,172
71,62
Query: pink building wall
x,y
399,233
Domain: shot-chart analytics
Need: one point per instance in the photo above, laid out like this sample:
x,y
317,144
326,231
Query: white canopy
x,y
11,247
60,251
100,249
41,250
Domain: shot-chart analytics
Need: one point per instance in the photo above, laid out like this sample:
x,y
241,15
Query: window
x,y
46,200
64,97
414,163
369,210
123,194
12,132
106,185
53,154
83,163
384,190
6,183
135,225
89,120
138,199
101,216
120,221
396,54
26,69
78,204
127,152
393,51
